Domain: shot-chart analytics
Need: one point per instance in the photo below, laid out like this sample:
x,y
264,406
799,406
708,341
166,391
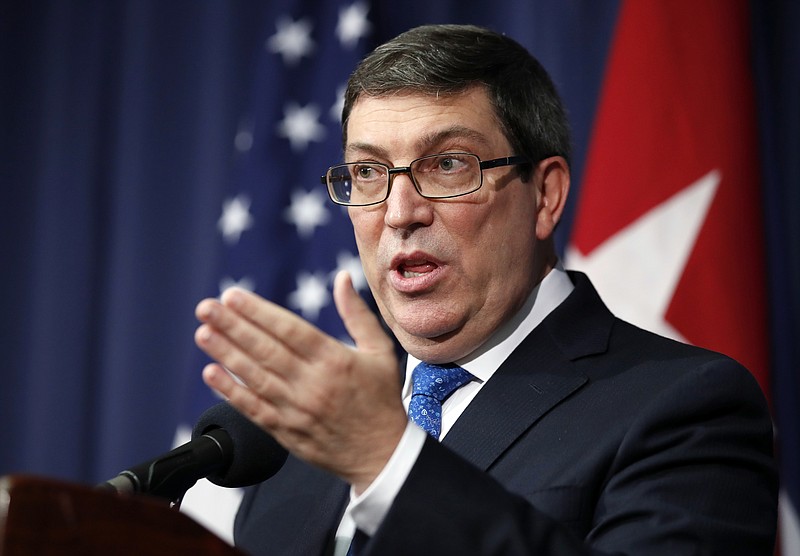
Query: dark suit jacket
x,y
594,437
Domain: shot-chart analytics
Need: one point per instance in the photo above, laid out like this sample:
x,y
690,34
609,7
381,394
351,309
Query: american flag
x,y
280,236
284,239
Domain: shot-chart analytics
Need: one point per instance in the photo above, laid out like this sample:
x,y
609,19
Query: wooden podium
x,y
48,517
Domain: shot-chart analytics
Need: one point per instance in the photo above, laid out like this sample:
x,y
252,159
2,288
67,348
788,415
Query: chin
x,y
434,345
426,322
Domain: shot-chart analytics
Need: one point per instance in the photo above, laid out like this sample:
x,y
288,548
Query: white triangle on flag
x,y
637,269
789,525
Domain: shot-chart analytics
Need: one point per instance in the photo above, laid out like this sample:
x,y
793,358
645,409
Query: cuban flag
x,y
669,221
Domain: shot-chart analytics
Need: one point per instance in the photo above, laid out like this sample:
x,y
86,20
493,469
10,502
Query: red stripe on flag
x,y
678,103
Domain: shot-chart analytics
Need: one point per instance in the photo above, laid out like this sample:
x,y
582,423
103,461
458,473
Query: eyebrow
x,y
425,143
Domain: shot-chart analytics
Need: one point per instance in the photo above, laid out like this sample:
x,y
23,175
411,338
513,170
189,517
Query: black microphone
x,y
226,447
255,457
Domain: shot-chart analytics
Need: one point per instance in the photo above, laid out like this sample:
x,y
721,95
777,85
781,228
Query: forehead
x,y
419,122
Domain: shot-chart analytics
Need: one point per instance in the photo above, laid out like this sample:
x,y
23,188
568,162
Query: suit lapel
x,y
535,378
523,389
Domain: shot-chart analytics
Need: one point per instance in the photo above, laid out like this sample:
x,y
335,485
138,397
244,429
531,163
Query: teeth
x,y
409,274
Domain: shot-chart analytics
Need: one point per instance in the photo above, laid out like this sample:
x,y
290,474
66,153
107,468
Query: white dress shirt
x,y
368,510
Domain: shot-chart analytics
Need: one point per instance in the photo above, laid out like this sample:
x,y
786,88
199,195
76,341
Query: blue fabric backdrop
x,y
117,149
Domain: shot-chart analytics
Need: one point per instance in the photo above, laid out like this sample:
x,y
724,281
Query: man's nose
x,y
405,207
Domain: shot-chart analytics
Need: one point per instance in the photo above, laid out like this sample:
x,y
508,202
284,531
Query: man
x,y
572,432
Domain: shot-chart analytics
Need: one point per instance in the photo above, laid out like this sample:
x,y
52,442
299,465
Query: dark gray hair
x,y
449,59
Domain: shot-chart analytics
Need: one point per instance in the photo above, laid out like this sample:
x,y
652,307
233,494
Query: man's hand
x,y
334,406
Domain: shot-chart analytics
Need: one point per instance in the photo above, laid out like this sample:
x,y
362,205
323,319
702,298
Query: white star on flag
x,y
235,219
352,24
311,295
300,125
346,260
336,109
246,283
307,210
653,251
292,40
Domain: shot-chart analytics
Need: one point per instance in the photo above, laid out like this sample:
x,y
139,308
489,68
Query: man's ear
x,y
551,179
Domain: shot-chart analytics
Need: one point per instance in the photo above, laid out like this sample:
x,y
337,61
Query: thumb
x,y
360,322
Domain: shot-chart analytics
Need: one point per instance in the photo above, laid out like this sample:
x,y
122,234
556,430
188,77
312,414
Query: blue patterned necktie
x,y
432,385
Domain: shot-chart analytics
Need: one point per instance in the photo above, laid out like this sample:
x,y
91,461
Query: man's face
x,y
445,273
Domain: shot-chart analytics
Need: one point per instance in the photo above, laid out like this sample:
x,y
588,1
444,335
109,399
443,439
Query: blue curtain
x,y
118,122
117,128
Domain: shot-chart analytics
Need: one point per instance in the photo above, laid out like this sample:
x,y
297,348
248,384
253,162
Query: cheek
x,y
504,245
367,229
364,223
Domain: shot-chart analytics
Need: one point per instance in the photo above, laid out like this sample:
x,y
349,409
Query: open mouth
x,y
416,272
416,268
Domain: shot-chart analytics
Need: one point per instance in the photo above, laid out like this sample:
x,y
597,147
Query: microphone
x,y
255,457
226,447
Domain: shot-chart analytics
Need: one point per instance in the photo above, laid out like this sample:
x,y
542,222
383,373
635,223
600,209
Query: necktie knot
x,y
432,385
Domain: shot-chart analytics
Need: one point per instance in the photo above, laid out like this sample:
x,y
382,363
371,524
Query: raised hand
x,y
334,406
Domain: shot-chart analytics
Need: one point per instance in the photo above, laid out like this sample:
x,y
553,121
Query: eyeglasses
x,y
438,176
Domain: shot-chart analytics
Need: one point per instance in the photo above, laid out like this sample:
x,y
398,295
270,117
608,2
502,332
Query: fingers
x,y
269,348
284,327
252,329
219,347
360,322
237,343
241,397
